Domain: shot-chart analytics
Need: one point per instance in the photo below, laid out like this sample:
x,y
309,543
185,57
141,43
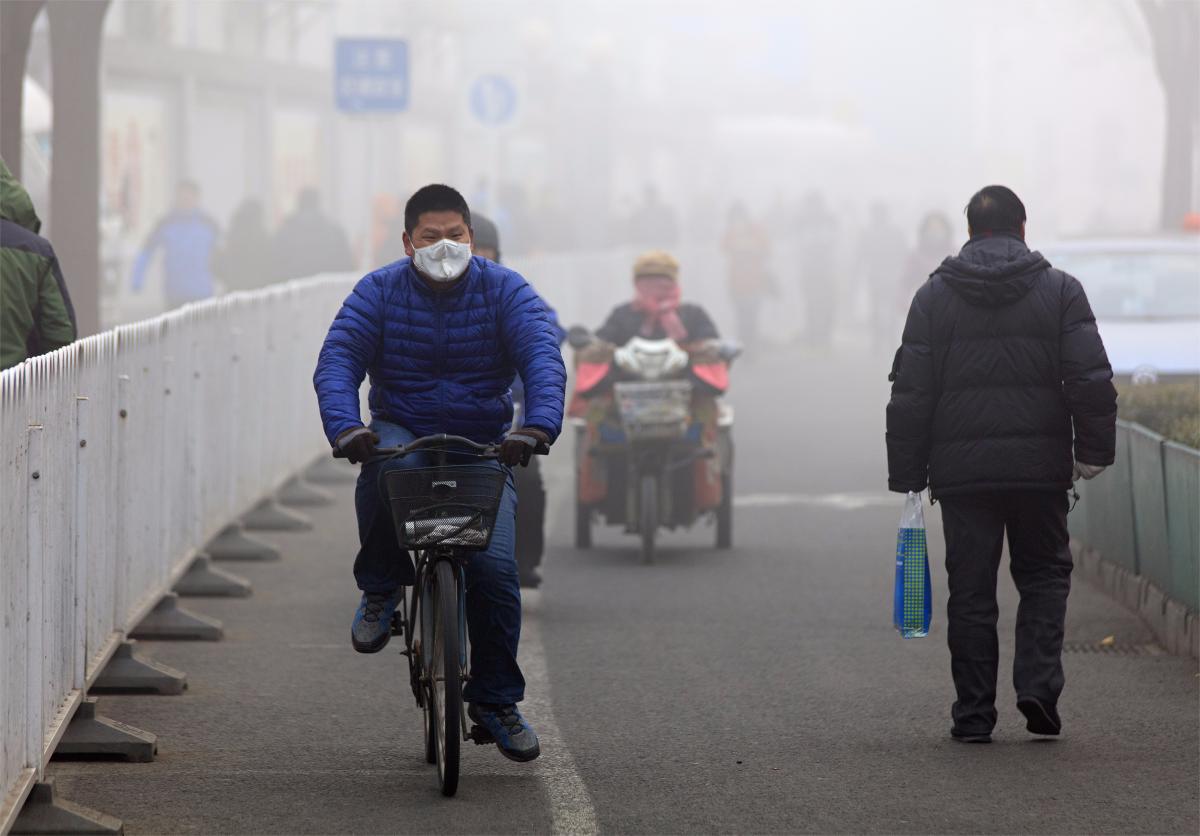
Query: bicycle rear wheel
x,y
445,677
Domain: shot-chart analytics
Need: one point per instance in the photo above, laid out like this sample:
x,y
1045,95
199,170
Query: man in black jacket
x,y
1002,396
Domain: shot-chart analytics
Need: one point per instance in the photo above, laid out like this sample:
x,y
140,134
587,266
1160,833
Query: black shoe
x,y
1041,718
970,737
531,579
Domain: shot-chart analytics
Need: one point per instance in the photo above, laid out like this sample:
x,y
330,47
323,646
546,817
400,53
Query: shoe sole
x,y
971,738
1037,719
512,756
375,647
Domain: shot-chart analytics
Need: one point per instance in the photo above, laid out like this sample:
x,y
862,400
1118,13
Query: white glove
x,y
1082,470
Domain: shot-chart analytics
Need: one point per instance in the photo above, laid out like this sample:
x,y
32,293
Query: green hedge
x,y
1170,409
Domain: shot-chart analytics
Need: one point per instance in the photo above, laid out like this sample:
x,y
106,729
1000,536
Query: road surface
x,y
757,690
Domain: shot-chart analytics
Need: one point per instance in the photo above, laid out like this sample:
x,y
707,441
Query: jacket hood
x,y
15,204
993,271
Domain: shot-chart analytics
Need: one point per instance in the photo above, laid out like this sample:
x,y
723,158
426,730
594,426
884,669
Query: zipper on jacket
x,y
440,348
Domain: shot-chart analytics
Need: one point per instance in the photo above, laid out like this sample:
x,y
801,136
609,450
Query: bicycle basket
x,y
654,410
445,506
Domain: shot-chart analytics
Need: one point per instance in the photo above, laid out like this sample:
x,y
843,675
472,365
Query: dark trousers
x,y
975,525
531,517
493,591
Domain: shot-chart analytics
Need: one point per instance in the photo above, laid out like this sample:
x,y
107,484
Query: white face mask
x,y
444,261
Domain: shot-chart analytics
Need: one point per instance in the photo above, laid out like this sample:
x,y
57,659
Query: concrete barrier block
x,y
1107,576
45,813
168,620
1177,620
1153,610
233,543
202,579
269,515
92,734
330,471
126,672
1131,589
300,493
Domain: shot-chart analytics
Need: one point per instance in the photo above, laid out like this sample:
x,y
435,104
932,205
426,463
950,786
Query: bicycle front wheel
x,y
648,517
445,677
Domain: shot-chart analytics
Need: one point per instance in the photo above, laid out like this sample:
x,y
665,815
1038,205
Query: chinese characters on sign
x,y
372,75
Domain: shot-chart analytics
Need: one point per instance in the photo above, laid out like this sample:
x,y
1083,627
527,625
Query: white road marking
x,y
837,501
571,809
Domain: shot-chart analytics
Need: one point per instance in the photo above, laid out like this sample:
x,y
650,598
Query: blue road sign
x,y
493,99
371,75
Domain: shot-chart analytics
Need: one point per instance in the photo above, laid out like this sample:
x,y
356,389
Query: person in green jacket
x,y
36,315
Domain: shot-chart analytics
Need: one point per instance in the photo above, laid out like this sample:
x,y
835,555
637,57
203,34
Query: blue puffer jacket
x,y
442,361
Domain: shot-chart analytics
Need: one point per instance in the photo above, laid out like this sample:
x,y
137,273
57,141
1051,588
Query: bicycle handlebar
x,y
486,451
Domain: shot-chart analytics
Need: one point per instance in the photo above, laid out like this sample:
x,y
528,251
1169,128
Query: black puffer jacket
x,y
1000,359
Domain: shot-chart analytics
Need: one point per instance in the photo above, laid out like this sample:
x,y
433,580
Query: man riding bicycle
x,y
442,335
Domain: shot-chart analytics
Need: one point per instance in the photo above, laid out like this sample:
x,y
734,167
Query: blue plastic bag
x,y
913,608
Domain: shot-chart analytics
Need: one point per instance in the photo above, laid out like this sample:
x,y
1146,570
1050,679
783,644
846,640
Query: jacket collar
x,y
453,290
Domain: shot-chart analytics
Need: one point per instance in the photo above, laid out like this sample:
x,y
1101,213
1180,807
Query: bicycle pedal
x,y
481,736
397,628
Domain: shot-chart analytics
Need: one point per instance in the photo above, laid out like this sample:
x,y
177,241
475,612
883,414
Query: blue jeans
x,y
493,584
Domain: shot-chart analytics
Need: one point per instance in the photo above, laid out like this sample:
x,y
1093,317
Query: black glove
x,y
358,444
520,446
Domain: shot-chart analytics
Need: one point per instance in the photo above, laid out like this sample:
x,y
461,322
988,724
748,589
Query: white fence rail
x,y
120,457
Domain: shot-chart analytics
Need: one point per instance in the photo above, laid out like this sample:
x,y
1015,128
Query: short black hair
x,y
995,209
434,198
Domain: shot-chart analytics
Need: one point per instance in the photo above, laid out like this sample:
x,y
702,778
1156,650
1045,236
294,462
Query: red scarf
x,y
657,298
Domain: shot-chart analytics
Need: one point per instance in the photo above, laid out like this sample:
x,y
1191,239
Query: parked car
x,y
1145,293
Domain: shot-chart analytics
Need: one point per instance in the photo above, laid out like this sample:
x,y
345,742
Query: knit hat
x,y
656,263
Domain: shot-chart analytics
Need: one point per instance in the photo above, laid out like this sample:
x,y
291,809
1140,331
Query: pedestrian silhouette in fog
x,y
935,237
816,232
653,223
187,236
882,252
748,251
1002,397
244,260
308,242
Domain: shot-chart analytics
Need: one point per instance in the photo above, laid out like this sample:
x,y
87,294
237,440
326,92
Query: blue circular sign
x,y
493,99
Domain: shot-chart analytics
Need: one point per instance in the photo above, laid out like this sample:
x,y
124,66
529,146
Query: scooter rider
x,y
531,490
657,310
442,333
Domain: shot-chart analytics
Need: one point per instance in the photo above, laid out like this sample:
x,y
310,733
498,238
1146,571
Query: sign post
x,y
493,100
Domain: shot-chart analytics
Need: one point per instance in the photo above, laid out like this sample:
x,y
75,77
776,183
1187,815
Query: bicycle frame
x,y
417,606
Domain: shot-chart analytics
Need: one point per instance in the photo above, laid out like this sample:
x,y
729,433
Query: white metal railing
x,y
120,457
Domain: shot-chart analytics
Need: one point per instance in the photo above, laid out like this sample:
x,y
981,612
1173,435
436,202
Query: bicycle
x,y
441,513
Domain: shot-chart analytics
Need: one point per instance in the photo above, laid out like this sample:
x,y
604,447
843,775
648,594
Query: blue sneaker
x,y
372,625
513,736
